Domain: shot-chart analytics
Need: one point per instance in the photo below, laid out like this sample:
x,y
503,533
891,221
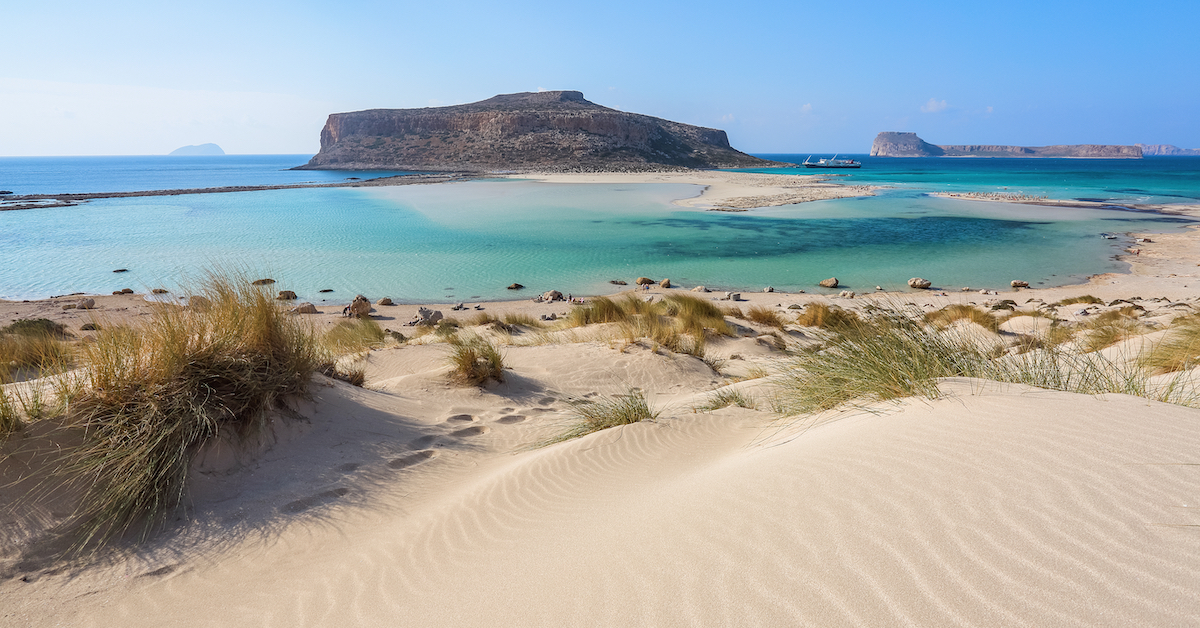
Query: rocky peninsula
x,y
895,144
558,131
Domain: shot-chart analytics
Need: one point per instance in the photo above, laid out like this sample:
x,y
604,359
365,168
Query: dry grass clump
x,y
517,318
354,336
895,357
32,347
1179,350
593,416
151,397
481,318
10,418
726,397
958,312
1087,298
1108,328
764,316
602,310
474,360
833,318
680,323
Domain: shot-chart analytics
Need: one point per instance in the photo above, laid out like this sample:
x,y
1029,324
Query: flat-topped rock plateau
x,y
893,144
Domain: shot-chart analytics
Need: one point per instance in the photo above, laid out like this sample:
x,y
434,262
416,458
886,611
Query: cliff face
x,y
1167,150
542,130
892,144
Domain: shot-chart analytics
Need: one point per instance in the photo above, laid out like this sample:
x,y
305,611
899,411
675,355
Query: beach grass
x,y
474,360
354,336
962,312
1179,350
519,318
150,397
1087,298
32,347
593,416
824,316
764,316
725,397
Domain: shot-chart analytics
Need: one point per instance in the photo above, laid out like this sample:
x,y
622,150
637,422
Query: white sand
x,y
415,502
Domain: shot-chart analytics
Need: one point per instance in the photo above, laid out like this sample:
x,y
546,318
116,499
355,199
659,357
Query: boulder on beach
x,y
515,286
384,301
426,316
665,283
1017,283
700,289
360,306
262,282
553,295
769,289
305,308
832,282
644,281
848,294
86,304
199,303
126,290
919,283
286,295
69,306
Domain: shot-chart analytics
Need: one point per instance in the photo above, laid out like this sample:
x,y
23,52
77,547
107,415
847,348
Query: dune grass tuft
x,y
10,418
1087,298
517,318
474,360
151,397
34,347
824,316
592,416
764,316
725,397
959,312
1179,350
354,336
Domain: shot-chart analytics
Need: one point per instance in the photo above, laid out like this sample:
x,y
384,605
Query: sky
x,y
144,78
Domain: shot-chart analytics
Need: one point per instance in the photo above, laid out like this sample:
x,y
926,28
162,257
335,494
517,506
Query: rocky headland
x,y
894,144
1167,150
557,131
200,150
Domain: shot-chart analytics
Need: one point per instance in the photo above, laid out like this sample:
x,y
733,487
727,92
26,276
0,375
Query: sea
x,y
468,241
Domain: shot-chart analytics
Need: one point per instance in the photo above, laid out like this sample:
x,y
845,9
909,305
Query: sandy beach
x,y
415,500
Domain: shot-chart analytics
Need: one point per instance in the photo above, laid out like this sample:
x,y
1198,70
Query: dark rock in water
x,y
516,286
832,282
126,290
121,270
617,282
2,192
326,290
557,130
158,291
919,283
262,282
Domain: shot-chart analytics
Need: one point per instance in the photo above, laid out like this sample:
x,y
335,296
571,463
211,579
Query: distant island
x,y
1167,150
202,150
546,131
894,144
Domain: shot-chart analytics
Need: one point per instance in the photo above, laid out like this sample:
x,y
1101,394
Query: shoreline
x,y
1168,209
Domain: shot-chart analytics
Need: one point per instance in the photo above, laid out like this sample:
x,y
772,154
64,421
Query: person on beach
x,y
346,311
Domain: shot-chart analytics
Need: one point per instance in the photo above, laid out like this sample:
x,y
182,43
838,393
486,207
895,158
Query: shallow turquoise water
x,y
467,241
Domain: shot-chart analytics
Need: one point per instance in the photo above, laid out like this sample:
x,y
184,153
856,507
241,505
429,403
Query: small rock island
x,y
556,131
200,150
894,144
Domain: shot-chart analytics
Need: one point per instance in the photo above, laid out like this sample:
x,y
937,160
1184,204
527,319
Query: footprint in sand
x,y
506,410
161,571
460,418
510,419
471,431
423,442
347,468
300,505
545,401
410,460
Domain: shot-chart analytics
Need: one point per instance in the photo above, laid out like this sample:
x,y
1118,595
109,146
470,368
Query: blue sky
x,y
87,78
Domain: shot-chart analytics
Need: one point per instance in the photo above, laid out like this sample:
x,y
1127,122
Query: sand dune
x,y
420,503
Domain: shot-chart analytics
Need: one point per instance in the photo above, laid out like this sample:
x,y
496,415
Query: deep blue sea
x,y
467,241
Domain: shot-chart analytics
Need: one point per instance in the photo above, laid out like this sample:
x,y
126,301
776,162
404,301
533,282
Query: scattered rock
x,y
86,304
553,295
918,283
361,307
458,307
262,282
126,290
769,289
384,301
286,295
644,281
795,306
849,294
426,316
617,282
1017,283
89,327
734,296
158,291
199,303
879,287
549,317
966,289
665,283
326,290
700,289
832,282
121,270
69,306
515,286
305,308
116,292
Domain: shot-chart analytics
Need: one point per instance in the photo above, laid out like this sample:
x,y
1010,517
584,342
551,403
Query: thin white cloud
x,y
727,117
806,109
934,106
989,109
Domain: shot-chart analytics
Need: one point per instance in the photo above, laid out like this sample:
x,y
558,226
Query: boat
x,y
831,163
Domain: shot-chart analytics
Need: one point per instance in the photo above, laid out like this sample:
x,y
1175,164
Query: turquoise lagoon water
x,y
467,241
